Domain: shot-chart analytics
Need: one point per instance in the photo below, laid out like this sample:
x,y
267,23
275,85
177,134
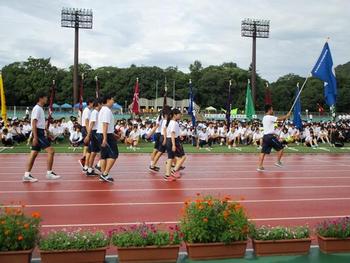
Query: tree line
x,y
22,80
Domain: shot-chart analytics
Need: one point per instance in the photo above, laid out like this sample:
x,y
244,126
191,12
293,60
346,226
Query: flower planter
x,y
74,256
282,247
216,250
333,245
23,256
148,254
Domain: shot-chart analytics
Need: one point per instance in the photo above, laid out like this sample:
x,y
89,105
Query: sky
x,y
175,33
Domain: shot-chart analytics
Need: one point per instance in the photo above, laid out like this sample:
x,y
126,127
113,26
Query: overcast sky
x,y
177,32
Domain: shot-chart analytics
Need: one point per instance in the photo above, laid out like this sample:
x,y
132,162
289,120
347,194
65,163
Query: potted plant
x,y
146,243
18,235
77,246
334,235
280,240
214,228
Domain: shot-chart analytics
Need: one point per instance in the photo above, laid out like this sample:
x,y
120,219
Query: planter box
x,y
281,247
148,254
74,256
23,256
333,245
216,250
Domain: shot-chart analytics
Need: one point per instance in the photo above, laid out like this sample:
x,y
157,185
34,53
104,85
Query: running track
x,y
309,189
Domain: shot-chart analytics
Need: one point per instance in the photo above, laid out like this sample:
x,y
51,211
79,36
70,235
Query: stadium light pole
x,y
76,18
255,28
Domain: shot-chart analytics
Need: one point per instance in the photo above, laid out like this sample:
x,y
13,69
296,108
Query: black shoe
x,y
98,168
85,170
157,168
153,169
106,178
182,168
91,174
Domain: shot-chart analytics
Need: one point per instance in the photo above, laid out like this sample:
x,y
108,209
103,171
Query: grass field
x,y
64,147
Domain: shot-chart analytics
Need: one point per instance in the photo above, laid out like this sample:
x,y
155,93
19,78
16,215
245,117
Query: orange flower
x,y
205,220
8,210
210,202
198,194
26,226
226,214
3,222
20,237
238,206
200,207
36,215
227,198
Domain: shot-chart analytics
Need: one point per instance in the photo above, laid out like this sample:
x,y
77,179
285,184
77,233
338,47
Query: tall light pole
x,y
156,103
255,28
174,103
76,18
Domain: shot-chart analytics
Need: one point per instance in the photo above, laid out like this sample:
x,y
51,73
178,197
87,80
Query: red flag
x,y
268,99
81,93
52,97
135,101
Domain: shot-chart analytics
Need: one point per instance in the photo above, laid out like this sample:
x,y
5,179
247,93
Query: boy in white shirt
x,y
270,140
107,138
40,141
85,118
134,137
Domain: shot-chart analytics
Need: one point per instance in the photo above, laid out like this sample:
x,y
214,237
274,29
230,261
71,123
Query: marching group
x,y
98,134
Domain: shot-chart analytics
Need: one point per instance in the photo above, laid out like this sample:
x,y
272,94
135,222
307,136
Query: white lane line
x,y
177,222
174,189
180,202
191,179
206,171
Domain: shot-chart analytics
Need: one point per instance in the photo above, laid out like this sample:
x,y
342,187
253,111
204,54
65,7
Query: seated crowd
x,y
204,136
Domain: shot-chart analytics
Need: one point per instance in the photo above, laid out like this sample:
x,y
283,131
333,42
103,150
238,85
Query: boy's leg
x,y
31,160
50,157
261,160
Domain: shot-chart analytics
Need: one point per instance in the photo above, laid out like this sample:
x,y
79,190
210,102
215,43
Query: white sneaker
x,y
260,169
229,146
52,176
279,164
29,179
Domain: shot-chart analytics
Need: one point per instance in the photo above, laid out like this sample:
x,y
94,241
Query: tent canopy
x,y
55,106
78,105
210,108
116,106
66,106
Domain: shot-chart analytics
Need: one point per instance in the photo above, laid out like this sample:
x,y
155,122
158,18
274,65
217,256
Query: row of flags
x,y
322,70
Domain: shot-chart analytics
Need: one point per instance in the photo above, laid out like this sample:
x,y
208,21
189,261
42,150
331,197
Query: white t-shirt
x,y
163,126
134,135
203,136
269,124
94,118
85,116
173,127
159,123
105,116
39,115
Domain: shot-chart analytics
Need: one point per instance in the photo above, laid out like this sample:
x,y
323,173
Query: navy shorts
x,y
43,141
84,133
110,151
179,152
270,141
157,140
94,145
161,147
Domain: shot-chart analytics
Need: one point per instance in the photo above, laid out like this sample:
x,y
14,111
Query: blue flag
x,y
190,107
297,111
323,70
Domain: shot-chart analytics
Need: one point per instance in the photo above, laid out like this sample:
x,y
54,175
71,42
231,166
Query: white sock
x,y
49,172
99,164
89,170
152,163
85,167
26,174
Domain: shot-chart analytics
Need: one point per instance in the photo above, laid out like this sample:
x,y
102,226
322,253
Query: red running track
x,y
309,189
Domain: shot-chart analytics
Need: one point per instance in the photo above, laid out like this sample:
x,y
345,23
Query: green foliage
x,y
338,228
77,240
145,235
22,80
17,230
278,232
208,220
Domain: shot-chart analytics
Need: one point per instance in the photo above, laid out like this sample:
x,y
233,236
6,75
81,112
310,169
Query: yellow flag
x,y
3,101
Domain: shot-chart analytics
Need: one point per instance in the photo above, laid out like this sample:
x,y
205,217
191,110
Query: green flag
x,y
249,105
234,111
